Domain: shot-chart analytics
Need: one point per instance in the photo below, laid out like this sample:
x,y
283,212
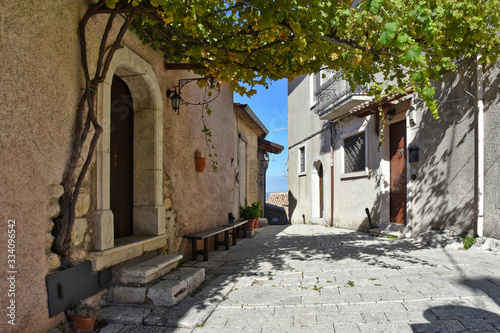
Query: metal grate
x,y
302,159
354,153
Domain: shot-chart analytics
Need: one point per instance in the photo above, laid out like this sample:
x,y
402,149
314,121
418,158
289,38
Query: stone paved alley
x,y
305,278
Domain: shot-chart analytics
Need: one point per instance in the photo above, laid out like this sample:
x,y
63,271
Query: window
x,y
302,160
355,153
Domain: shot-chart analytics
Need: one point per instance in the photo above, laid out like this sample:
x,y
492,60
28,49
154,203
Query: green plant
x,y
351,283
82,309
468,242
250,212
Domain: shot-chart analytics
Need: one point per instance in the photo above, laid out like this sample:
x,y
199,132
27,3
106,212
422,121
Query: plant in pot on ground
x,y
251,213
83,316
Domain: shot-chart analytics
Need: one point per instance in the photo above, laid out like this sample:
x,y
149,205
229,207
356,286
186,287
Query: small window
x,y
302,159
354,153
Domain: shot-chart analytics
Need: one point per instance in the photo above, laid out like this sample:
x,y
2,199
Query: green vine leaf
x,y
388,33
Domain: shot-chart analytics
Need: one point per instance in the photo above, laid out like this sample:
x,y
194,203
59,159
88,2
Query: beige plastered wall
x,y
41,83
252,163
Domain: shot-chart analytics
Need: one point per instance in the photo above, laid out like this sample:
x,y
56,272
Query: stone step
x,y
175,286
149,270
168,291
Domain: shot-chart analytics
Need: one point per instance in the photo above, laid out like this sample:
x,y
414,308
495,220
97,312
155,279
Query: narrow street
x,y
305,278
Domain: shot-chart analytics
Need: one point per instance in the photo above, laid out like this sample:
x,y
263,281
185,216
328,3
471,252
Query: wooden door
x,y
398,172
121,186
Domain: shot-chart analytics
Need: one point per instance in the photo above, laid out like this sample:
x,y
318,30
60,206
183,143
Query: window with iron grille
x,y
354,153
302,154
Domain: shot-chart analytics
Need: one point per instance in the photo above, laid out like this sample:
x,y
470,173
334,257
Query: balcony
x,y
335,98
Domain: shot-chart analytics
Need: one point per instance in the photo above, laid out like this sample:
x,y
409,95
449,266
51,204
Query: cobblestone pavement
x,y
305,278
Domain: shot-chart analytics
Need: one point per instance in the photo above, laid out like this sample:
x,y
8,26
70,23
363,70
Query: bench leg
x,y
226,239
194,249
216,242
234,234
205,249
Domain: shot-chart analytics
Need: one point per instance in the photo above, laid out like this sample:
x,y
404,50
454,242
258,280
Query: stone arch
x,y
148,210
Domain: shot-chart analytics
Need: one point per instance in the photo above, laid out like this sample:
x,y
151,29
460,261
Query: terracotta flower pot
x,y
83,324
250,224
200,163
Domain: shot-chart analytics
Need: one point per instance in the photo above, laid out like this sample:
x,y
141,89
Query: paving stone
x,y
477,325
385,328
124,314
143,329
111,328
440,326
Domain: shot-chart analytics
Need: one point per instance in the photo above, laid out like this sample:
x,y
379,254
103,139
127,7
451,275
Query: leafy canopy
x,y
257,41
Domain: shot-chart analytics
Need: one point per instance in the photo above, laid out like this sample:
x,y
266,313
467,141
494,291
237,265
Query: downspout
x,y
480,148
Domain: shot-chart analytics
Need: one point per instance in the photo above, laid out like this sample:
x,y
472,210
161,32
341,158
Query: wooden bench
x,y
205,237
237,225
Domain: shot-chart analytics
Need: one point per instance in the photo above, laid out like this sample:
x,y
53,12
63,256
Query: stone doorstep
x,y
149,270
193,276
172,289
384,232
176,286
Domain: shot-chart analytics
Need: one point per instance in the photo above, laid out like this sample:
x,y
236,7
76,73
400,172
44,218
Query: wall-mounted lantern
x,y
177,100
390,114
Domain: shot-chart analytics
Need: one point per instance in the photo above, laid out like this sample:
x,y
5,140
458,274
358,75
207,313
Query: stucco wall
x,y
443,195
39,91
252,163
302,123
492,151
353,194
40,87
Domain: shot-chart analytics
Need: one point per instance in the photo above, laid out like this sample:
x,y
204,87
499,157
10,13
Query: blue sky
x,y
270,105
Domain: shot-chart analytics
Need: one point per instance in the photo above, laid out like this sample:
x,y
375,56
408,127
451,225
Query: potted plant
x,y
83,316
199,162
251,213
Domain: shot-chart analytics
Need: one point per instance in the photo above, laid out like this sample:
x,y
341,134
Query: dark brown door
x,y
122,122
398,172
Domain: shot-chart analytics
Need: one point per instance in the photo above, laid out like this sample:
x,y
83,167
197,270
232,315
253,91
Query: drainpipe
x,y
480,148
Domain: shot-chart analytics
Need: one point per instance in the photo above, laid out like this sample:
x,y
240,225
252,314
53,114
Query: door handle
x,y
400,154
115,159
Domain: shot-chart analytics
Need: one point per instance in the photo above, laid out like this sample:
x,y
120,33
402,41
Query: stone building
x,y
253,155
415,173
145,153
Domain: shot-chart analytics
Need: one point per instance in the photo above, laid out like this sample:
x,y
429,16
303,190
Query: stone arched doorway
x,y
148,215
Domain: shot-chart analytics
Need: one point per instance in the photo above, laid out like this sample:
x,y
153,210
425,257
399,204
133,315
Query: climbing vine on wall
x,y
86,122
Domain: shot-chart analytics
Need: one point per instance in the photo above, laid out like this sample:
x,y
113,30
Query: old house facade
x,y
142,192
424,175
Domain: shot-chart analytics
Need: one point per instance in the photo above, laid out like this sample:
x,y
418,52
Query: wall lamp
x,y
264,163
175,98
390,114
211,84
